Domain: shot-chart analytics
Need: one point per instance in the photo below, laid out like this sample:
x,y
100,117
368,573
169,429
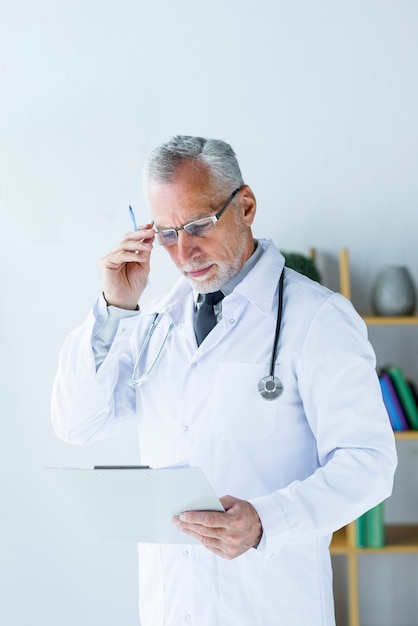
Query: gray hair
x,y
216,155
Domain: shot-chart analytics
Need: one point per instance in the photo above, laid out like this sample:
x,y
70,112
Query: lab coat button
x,y
232,321
193,365
185,428
185,554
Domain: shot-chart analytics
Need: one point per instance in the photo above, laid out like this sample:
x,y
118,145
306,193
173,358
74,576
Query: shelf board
x,y
383,320
398,538
406,434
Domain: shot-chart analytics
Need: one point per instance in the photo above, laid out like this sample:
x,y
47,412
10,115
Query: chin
x,y
205,285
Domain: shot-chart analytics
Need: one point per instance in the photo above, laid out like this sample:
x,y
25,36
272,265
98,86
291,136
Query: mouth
x,y
198,274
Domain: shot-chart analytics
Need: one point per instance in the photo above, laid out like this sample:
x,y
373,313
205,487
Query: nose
x,y
187,247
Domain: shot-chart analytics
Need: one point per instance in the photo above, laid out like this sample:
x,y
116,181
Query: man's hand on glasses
x,y
124,271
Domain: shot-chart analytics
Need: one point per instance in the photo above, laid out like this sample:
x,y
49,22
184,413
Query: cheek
x,y
229,246
172,253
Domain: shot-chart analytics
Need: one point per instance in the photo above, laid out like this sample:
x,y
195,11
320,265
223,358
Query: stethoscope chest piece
x,y
270,387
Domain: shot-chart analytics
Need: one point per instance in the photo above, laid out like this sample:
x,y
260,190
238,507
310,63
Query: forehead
x,y
189,196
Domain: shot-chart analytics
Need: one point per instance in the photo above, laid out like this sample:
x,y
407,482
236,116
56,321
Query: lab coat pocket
x,y
241,413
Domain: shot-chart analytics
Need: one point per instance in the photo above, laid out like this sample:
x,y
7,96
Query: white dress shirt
x,y
309,462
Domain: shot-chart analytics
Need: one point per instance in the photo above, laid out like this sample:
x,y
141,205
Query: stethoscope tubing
x,y
136,382
278,325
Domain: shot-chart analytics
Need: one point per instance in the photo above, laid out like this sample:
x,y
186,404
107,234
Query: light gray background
x,y
320,100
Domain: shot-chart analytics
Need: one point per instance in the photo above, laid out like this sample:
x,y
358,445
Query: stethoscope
x,y
136,382
270,387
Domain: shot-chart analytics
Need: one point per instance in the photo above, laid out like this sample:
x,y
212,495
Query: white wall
x,y
319,99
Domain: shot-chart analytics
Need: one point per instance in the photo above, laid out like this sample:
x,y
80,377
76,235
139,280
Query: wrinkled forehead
x,y
191,195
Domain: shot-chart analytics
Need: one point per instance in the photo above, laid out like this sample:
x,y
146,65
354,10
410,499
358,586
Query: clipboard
x,y
137,504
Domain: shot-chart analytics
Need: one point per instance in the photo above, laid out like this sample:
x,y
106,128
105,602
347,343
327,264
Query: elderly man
x,y
302,447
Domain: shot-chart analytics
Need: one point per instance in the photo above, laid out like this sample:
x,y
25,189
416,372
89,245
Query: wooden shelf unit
x,y
399,538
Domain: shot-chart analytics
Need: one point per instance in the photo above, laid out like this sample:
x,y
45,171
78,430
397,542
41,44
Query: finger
x,y
228,541
129,250
217,540
131,244
212,538
197,529
143,233
121,257
210,543
228,502
210,519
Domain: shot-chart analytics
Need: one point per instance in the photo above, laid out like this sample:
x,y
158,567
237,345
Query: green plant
x,y
302,263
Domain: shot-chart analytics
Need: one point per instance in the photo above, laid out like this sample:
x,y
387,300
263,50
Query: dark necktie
x,y
205,318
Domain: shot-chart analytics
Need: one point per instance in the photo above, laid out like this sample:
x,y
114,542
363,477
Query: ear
x,y
248,204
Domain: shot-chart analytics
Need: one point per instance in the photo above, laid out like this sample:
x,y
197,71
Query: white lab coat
x,y
309,462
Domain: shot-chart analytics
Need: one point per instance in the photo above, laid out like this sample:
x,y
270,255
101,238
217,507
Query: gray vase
x,y
393,292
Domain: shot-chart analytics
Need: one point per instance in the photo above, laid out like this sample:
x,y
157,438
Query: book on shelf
x,y
361,531
414,390
392,403
405,393
370,528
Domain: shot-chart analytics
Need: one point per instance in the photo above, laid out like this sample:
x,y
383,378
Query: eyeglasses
x,y
197,228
